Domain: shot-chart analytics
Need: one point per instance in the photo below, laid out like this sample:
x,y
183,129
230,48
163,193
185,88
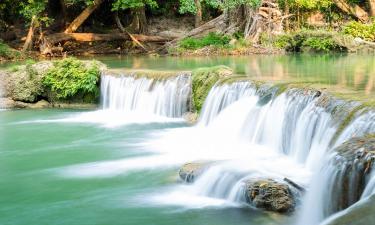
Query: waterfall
x,y
223,95
339,182
167,97
276,136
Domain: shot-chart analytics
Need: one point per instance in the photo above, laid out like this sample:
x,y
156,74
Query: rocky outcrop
x,y
22,87
203,79
352,164
189,172
24,83
270,195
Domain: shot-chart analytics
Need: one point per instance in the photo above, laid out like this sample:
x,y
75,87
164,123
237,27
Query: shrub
x,y
8,53
364,31
321,44
306,40
212,39
70,77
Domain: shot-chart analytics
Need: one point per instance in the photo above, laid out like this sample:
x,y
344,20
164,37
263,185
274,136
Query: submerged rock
x,y
270,195
189,172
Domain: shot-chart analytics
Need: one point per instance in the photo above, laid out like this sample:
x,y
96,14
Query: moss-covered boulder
x,y
189,172
269,195
67,80
203,79
24,83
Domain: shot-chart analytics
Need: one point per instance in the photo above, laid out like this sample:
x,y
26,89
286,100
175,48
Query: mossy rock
x,y
149,74
189,172
204,79
24,83
269,195
27,83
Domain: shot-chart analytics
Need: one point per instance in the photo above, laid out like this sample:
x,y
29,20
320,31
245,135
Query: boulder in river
x,y
189,172
270,195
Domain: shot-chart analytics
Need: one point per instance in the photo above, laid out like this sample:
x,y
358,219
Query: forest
x,y
183,27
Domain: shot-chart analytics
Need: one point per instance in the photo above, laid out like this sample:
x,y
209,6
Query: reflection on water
x,y
354,71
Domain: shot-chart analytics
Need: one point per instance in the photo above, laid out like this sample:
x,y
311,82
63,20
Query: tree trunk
x,y
372,7
198,15
139,22
352,9
77,22
286,13
89,37
30,35
63,11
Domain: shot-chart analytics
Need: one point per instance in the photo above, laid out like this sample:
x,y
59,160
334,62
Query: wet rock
x,y
189,172
191,117
270,195
352,164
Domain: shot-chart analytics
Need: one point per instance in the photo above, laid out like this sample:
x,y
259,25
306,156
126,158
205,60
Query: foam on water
x,y
243,133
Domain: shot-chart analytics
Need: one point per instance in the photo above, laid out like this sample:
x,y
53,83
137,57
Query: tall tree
x,y
352,9
372,7
78,21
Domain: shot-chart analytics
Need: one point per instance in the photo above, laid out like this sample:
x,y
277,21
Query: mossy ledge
x,y
67,83
144,73
203,79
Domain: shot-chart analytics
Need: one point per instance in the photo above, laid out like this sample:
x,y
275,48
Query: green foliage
x,y
8,53
364,31
320,44
309,41
203,80
70,77
212,39
234,3
130,4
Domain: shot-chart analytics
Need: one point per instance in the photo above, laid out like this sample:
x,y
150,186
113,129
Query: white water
x,y
168,97
289,136
130,100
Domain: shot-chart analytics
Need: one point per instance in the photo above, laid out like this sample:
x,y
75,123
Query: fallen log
x,y
89,37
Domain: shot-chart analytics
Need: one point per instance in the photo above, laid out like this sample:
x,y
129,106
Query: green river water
x,y
35,152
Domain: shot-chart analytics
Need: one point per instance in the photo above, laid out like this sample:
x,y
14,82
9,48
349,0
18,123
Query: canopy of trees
x,y
246,17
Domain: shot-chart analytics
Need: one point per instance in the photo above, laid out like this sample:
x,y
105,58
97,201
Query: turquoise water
x,y
36,188
354,72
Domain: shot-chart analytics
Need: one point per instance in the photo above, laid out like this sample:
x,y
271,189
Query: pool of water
x,y
40,180
354,72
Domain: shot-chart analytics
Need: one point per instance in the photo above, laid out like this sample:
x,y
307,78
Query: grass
x,y
212,39
8,53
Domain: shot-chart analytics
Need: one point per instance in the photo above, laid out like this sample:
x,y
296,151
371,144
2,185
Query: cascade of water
x,y
364,123
168,97
273,126
223,95
340,181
